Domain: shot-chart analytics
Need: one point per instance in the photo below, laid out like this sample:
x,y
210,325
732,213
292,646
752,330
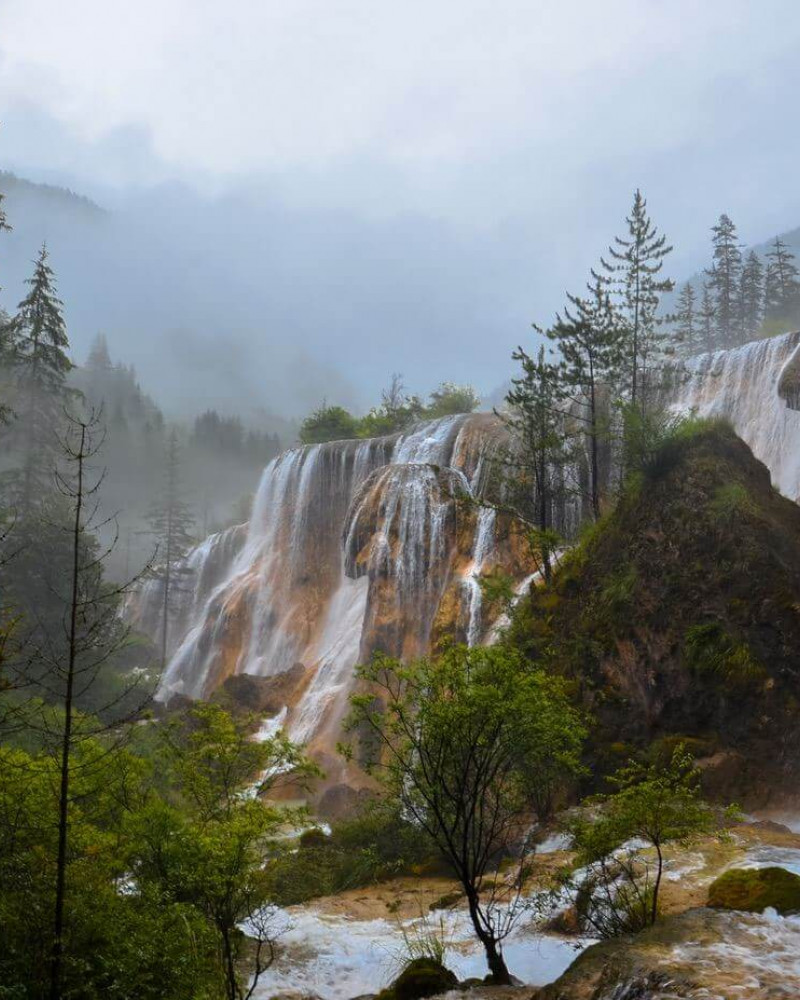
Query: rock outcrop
x,y
679,617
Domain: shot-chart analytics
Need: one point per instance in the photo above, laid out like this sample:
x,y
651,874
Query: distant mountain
x,y
24,195
184,291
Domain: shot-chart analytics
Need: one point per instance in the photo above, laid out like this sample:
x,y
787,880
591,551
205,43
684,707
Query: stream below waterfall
x,y
341,949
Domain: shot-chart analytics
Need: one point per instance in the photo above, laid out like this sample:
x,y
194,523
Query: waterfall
x,y
755,388
352,546
358,546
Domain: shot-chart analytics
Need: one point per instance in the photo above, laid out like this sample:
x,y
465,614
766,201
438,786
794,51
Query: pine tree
x,y
99,359
4,223
5,351
687,319
724,279
707,319
781,286
633,272
591,342
42,365
536,423
751,296
171,521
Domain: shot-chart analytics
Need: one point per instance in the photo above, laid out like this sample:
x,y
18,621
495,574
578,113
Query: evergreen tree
x,y
4,223
5,412
536,423
707,319
42,365
633,271
724,278
751,296
687,319
171,521
781,286
591,341
99,358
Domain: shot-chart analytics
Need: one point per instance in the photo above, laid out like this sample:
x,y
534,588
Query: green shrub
x,y
731,501
370,847
328,423
711,650
756,889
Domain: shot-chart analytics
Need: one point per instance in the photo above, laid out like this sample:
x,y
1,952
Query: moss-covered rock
x,y
678,616
422,977
756,889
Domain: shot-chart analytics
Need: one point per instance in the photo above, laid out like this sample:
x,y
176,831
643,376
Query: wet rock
x,y
567,922
754,890
341,800
770,826
264,695
422,977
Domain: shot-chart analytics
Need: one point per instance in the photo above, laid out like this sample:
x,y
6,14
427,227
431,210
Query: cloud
x,y
386,186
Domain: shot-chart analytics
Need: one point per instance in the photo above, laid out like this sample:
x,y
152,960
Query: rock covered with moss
x,y
755,890
422,977
679,616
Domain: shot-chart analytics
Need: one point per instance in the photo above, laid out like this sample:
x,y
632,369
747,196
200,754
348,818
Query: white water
x,y
337,655
336,958
742,386
343,537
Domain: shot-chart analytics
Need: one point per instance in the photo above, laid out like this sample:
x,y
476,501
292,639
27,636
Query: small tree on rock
x,y
657,803
458,740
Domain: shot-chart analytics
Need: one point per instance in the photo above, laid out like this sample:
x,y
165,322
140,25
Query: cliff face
x,y
353,546
680,614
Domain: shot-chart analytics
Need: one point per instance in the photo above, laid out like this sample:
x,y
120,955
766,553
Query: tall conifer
x,y
632,272
687,320
707,319
781,287
751,297
591,342
171,521
724,278
42,364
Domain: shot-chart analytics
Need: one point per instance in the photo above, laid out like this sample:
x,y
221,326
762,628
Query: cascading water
x,y
353,546
356,546
755,388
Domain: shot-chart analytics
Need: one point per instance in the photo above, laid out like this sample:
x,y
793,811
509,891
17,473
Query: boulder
x,y
422,977
756,889
264,695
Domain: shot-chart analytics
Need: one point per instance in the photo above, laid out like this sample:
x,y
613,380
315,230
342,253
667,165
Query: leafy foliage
x,y
462,741
655,803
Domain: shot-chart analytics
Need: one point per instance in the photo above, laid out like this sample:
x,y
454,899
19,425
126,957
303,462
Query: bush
x,y
711,650
450,399
328,423
374,845
756,889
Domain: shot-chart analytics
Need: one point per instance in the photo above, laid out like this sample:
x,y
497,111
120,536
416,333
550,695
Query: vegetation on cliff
x,y
678,614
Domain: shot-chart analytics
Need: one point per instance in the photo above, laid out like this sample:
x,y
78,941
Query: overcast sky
x,y
518,129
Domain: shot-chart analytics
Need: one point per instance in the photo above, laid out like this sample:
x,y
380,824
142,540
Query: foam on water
x,y
336,958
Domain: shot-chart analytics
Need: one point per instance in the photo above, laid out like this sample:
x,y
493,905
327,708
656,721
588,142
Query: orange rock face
x,y
353,547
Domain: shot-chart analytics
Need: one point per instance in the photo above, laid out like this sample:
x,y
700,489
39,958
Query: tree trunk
x,y
543,519
231,985
657,886
494,959
595,463
66,745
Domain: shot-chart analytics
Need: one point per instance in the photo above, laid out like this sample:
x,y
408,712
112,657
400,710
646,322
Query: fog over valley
x,y
399,500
